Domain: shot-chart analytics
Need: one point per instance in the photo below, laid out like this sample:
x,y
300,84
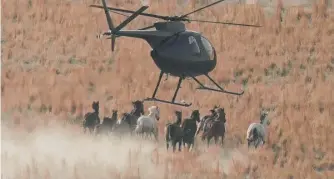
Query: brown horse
x,y
215,127
92,119
205,119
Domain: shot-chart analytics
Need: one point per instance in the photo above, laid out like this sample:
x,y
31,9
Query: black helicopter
x,y
175,50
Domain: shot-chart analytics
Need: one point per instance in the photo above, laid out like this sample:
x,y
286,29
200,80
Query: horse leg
x,y
167,144
155,133
174,144
203,137
263,141
223,136
180,144
90,130
148,135
191,144
216,139
248,142
167,140
256,142
208,138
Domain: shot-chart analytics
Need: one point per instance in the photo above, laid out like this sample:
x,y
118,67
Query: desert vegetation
x,y
53,67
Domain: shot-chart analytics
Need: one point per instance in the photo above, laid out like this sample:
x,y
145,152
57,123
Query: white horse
x,y
149,124
256,132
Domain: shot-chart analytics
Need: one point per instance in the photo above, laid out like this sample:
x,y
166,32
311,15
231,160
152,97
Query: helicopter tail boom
x,y
113,30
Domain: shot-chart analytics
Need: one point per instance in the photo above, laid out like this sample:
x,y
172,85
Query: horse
x,y
92,119
148,124
131,118
205,119
174,133
108,124
189,127
124,124
256,132
138,108
215,128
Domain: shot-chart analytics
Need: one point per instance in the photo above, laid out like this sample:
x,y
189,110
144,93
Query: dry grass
x,y
53,67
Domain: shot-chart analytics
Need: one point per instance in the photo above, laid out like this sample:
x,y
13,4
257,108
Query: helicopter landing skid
x,y
221,89
168,102
165,101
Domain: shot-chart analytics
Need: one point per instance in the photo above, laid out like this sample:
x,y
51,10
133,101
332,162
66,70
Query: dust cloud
x,y
55,152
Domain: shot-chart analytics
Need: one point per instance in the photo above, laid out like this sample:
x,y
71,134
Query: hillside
x,y
53,67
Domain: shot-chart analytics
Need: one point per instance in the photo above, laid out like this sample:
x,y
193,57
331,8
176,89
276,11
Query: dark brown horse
x,y
174,132
92,119
214,127
107,124
189,127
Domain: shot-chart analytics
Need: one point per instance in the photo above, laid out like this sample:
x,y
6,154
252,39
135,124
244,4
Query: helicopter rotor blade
x,y
119,13
134,15
144,28
185,15
227,23
130,11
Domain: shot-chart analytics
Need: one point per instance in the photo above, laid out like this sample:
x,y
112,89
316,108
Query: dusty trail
x,y
60,153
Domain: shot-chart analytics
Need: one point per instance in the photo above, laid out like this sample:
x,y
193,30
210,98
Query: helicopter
x,y
176,51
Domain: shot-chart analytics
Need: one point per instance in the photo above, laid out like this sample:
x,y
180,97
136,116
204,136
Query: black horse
x,y
189,127
107,124
174,132
215,127
124,126
92,119
129,120
138,108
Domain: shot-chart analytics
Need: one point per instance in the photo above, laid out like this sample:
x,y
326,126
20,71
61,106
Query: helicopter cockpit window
x,y
208,47
194,45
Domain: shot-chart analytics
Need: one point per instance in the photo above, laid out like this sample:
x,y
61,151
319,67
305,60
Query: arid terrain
x,y
53,67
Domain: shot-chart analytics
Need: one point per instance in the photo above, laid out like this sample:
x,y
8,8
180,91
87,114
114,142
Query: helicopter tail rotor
x,y
113,30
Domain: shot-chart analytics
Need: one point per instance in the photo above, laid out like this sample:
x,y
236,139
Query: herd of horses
x,y
177,132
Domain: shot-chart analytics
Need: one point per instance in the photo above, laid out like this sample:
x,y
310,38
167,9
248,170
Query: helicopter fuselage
x,y
176,50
